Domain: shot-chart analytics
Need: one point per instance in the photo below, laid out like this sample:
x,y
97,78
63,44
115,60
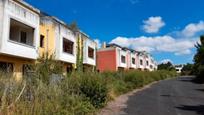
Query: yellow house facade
x,y
57,39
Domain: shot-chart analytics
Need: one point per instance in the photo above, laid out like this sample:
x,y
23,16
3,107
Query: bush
x,y
77,93
94,89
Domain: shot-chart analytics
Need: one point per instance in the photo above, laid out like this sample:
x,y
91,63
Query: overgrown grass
x,y
75,94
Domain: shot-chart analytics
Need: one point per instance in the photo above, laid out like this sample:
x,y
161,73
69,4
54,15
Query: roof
x,y
43,14
114,45
30,7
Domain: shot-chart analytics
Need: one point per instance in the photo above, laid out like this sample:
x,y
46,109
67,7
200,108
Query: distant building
x,y
179,68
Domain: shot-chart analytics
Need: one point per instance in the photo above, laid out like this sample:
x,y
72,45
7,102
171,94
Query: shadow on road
x,y
186,79
202,90
191,79
182,97
199,109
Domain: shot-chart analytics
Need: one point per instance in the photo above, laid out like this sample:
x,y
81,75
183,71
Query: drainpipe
x,y
47,35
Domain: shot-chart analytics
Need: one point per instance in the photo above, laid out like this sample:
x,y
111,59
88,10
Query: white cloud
x,y
98,42
157,44
178,43
153,24
166,61
193,28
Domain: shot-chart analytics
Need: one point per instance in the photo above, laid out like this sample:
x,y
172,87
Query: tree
x,y
74,27
187,69
199,61
166,66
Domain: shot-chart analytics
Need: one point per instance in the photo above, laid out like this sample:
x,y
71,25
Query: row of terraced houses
x,y
113,57
26,34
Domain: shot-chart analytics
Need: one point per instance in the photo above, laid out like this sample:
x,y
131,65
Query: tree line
x,y
197,68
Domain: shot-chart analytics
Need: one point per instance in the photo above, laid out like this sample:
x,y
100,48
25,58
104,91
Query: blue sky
x,y
168,29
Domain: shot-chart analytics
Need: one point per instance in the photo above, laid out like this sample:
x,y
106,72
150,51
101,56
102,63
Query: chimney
x,y
104,45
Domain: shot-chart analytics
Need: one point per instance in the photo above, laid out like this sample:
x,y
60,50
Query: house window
x,y
90,52
147,62
68,46
6,67
27,69
42,38
141,62
123,59
21,33
69,68
133,60
23,37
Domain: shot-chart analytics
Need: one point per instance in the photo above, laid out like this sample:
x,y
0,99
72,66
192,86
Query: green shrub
x,y
95,89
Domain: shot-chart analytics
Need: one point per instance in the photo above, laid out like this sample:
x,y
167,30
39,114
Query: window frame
x,y
68,51
123,59
141,62
22,29
133,60
92,54
147,63
42,41
22,35
9,67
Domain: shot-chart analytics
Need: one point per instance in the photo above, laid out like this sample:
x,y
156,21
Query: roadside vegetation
x,y
166,66
47,91
187,69
198,68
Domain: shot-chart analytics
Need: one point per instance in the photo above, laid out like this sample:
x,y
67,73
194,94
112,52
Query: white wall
x,y
120,53
23,15
65,33
86,60
1,20
147,59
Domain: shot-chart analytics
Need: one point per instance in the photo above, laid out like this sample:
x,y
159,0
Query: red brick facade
x,y
107,60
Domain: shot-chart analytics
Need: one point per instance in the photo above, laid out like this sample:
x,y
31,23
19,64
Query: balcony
x,y
21,33
20,40
89,52
68,51
20,30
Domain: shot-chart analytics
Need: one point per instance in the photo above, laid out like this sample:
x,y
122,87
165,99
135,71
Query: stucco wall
x,y
20,13
47,29
89,43
120,53
67,34
18,64
1,20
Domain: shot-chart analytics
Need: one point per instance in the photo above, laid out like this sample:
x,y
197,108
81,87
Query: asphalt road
x,y
178,96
